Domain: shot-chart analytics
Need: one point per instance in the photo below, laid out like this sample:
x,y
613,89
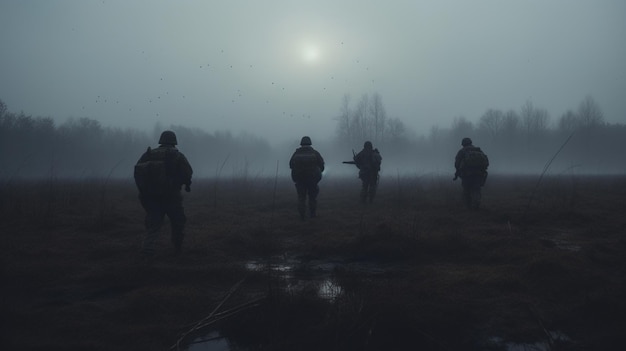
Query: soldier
x,y
159,175
306,166
471,165
368,162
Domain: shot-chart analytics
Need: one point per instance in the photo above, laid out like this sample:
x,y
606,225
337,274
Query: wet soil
x,y
413,270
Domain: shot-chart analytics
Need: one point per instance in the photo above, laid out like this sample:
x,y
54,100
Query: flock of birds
x,y
272,94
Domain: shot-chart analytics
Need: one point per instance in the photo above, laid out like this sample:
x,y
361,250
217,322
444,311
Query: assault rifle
x,y
351,162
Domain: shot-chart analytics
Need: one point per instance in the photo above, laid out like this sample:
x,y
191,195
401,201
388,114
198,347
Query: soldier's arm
x,y
320,161
144,156
185,171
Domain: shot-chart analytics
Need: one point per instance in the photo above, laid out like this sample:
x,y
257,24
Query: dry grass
x,y
416,269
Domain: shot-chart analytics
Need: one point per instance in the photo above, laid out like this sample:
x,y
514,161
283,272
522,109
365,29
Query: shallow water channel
x,y
317,277
296,277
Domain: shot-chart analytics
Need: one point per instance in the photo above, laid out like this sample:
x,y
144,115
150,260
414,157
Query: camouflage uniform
x,y
306,166
166,201
471,179
368,161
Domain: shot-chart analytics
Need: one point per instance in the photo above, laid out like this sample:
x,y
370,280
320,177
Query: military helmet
x,y
466,141
305,141
368,145
168,137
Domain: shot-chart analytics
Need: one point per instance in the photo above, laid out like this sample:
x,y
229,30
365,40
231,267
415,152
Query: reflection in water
x,y
210,342
300,277
537,346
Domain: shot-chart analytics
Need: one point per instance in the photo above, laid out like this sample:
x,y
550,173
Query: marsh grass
x,y
416,269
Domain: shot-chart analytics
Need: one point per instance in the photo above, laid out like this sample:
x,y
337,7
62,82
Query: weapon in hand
x,y
353,157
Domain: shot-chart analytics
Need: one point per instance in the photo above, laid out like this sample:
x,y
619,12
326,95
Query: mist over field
x,y
87,86
82,148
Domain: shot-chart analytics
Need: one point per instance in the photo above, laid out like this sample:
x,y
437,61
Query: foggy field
x,y
540,265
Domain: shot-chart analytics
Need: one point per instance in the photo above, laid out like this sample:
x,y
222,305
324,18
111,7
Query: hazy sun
x,y
310,53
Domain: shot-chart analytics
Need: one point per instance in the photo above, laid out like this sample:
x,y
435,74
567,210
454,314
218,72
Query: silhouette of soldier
x,y
306,166
368,162
159,175
471,165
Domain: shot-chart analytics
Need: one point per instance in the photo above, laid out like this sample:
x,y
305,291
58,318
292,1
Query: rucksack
x,y
305,165
474,161
153,175
376,160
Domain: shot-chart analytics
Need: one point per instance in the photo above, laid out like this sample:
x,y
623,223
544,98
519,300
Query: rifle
x,y
351,162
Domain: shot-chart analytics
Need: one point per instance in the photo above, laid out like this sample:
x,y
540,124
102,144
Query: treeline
x,y
517,141
82,147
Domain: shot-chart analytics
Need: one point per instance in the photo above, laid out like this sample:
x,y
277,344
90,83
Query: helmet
x,y
368,145
168,137
466,141
305,141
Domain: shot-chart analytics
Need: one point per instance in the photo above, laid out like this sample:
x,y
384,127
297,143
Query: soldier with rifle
x,y
471,165
368,162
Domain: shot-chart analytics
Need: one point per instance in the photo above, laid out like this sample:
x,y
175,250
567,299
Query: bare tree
x,y
461,128
343,120
492,122
589,113
359,122
511,124
569,122
396,128
379,115
534,120
3,108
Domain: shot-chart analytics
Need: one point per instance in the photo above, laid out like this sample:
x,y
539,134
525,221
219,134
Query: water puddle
x,y
296,277
302,277
212,342
555,336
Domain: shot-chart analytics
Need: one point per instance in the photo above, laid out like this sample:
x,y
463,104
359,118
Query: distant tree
x,y
569,122
366,121
379,116
589,113
510,125
343,120
360,122
492,122
461,128
534,120
396,129
3,109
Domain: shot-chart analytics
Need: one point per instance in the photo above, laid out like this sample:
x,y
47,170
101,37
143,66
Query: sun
x,y
310,53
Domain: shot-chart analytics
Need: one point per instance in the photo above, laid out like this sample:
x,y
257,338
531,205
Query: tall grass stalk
x,y
274,197
545,169
218,172
103,190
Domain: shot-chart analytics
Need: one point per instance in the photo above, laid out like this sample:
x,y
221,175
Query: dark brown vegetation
x,y
416,269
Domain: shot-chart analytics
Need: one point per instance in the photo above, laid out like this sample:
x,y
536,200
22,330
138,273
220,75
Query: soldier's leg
x,y
475,195
155,213
176,213
466,193
301,191
364,189
373,186
313,190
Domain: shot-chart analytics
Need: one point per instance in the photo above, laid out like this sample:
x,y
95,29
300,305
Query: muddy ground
x,y
538,266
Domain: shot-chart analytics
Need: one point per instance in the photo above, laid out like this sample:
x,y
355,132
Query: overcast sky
x,y
279,69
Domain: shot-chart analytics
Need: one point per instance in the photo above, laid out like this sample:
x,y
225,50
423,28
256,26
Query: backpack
x,y
376,160
474,162
305,165
152,176
368,161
